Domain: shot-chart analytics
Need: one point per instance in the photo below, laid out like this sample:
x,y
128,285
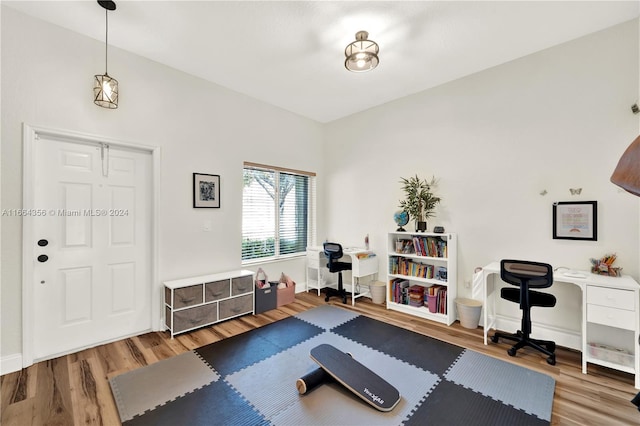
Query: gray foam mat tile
x,y
332,405
326,316
503,381
146,388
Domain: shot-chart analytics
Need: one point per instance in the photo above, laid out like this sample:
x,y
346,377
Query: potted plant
x,y
420,200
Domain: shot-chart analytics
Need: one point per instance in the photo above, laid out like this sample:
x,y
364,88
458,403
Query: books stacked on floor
x,y
405,266
430,246
436,294
416,295
400,291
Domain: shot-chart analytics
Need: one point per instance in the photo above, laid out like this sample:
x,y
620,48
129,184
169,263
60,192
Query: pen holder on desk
x,y
604,267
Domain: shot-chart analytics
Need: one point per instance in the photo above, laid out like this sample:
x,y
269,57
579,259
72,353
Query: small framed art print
x,y
206,191
575,220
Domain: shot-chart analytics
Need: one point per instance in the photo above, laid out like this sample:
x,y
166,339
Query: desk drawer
x,y
614,298
612,317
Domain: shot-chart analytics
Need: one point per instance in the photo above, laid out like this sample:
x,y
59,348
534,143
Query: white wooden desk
x,y
318,276
610,310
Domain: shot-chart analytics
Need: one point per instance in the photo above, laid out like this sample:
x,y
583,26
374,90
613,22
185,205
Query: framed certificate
x,y
575,220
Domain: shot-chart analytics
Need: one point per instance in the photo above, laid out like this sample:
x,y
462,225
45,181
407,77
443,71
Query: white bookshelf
x,y
418,261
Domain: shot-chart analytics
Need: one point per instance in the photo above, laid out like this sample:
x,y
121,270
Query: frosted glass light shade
x,y
105,91
362,54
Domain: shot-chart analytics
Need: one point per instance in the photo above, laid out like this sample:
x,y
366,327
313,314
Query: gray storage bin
x,y
266,298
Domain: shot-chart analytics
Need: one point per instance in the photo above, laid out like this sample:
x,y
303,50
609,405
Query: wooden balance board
x,y
356,377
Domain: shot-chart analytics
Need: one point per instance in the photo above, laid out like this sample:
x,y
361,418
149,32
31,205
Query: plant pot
x,y
421,226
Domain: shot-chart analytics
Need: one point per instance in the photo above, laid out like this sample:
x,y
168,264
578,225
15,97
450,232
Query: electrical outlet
x,y
467,284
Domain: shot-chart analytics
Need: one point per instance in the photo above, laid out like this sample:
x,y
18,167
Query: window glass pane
x,y
294,204
258,214
275,213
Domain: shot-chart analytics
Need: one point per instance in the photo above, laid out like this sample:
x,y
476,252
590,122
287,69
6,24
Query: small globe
x,y
401,218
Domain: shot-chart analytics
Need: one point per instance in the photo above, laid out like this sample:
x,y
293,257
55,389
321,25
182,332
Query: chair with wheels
x,y
333,252
527,275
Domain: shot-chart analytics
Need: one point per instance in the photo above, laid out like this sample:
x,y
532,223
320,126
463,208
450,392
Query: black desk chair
x,y
333,251
527,275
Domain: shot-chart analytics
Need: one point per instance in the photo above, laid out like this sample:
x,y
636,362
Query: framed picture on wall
x,y
206,191
575,220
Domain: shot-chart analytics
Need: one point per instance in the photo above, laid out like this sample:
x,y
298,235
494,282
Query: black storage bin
x,y
266,298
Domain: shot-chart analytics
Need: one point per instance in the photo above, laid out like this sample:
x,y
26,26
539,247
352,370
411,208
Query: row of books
x,y
430,246
405,266
433,297
423,246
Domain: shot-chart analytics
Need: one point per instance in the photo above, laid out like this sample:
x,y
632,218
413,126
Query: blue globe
x,y
401,218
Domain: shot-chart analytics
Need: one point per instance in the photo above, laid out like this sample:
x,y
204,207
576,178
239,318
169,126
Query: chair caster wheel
x,y
551,360
344,299
511,352
326,299
495,339
551,347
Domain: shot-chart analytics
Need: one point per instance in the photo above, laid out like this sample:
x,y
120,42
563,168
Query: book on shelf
x,y
405,266
416,295
400,291
404,246
430,246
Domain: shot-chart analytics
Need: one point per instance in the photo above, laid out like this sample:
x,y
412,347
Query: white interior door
x,y
91,245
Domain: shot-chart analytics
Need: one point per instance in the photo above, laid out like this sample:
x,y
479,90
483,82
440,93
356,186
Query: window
x,y
278,212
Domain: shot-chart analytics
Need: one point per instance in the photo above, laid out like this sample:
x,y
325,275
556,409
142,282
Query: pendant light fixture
x,y
105,88
362,54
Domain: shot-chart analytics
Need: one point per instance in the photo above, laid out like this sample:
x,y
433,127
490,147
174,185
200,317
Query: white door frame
x,y
30,134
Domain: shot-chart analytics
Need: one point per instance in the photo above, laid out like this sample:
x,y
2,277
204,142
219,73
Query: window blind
x,y
276,219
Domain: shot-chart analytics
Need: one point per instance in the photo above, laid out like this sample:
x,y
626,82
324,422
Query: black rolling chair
x,y
527,275
333,251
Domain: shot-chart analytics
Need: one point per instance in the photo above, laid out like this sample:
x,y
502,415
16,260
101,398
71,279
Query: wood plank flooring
x,y
74,389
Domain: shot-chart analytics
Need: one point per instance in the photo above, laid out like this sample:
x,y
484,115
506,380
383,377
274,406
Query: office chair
x,y
527,275
333,251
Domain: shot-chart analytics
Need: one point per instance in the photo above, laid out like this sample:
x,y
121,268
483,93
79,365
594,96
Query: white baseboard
x,y
10,364
563,337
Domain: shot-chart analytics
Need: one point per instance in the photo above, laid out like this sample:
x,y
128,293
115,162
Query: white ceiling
x,y
291,53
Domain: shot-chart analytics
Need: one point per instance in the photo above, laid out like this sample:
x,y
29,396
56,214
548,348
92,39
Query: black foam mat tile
x,y
235,353
422,351
452,405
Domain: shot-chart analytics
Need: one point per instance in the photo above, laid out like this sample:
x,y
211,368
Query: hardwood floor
x,y
74,389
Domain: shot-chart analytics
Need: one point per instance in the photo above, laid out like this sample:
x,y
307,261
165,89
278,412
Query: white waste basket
x,y
378,291
469,312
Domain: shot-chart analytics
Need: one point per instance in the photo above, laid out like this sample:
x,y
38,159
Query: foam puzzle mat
x,y
249,379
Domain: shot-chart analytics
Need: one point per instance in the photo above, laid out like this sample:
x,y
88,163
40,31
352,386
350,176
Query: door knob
x,y
43,243
43,258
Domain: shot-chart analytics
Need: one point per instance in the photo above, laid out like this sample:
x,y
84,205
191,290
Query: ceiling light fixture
x,y
105,88
362,54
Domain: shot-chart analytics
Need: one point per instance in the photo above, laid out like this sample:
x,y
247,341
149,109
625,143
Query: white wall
x,y
47,80
554,120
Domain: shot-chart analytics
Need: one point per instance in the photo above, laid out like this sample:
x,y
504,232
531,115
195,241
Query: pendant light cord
x,y
106,41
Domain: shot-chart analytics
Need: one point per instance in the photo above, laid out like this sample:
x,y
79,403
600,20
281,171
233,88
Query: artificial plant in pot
x,y
420,201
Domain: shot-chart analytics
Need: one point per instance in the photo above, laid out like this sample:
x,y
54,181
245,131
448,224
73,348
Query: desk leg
x,y
353,290
485,329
